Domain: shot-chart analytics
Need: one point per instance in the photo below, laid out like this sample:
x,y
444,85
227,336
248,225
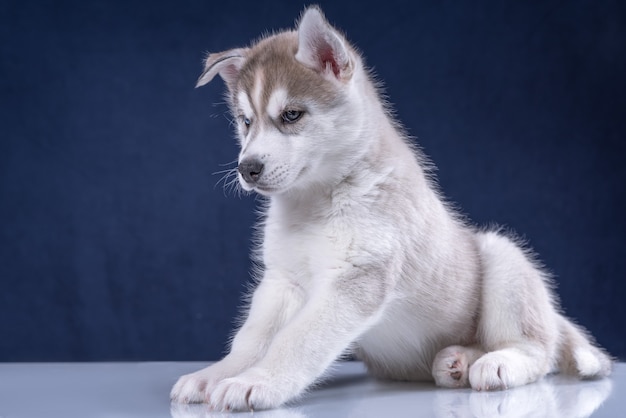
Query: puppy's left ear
x,y
322,48
227,64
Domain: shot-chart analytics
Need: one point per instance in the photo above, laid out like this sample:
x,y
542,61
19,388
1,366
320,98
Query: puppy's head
x,y
293,98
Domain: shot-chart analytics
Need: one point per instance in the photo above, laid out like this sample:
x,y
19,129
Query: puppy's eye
x,y
245,120
290,116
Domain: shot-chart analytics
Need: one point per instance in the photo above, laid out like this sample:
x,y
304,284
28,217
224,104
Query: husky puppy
x,y
360,254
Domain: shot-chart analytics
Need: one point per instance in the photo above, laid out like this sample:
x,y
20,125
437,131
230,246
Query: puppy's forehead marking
x,y
277,102
270,66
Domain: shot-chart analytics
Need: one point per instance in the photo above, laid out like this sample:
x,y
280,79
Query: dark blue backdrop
x,y
117,244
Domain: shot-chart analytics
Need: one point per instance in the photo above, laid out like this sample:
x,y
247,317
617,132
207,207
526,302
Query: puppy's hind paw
x,y
450,367
491,372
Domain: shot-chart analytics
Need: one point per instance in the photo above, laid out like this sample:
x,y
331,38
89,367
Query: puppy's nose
x,y
250,169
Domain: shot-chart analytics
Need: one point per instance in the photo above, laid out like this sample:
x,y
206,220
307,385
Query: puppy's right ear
x,y
322,48
227,64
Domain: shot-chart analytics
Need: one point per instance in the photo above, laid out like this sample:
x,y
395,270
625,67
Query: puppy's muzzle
x,y
250,169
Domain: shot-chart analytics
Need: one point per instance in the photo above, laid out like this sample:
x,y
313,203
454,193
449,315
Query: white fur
x,y
360,253
277,103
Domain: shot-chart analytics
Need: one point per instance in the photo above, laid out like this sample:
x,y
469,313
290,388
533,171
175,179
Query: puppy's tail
x,y
578,355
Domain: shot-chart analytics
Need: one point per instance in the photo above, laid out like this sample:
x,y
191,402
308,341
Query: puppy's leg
x,y
301,351
518,324
274,301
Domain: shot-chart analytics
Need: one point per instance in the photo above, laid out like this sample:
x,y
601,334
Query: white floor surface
x,y
116,390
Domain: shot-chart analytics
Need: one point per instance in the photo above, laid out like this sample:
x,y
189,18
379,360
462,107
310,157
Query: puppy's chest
x,y
308,252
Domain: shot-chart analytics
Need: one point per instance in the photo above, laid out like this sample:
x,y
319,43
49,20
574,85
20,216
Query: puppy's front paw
x,y
253,389
192,388
196,387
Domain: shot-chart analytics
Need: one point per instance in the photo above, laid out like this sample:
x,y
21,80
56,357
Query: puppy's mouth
x,y
266,190
259,187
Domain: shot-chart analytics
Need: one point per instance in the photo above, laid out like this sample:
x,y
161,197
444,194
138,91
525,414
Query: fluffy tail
x,y
578,355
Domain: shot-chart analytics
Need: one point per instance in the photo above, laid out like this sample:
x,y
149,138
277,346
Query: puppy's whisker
x,y
229,163
228,170
228,178
231,121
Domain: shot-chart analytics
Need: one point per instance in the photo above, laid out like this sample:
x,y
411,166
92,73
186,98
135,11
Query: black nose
x,y
250,170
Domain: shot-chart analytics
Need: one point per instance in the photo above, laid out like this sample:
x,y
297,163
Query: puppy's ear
x,y
322,48
227,64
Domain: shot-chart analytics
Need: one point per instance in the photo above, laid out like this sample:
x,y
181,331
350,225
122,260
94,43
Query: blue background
x,y
118,243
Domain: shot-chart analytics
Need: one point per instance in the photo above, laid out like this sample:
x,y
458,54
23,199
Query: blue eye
x,y
245,120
